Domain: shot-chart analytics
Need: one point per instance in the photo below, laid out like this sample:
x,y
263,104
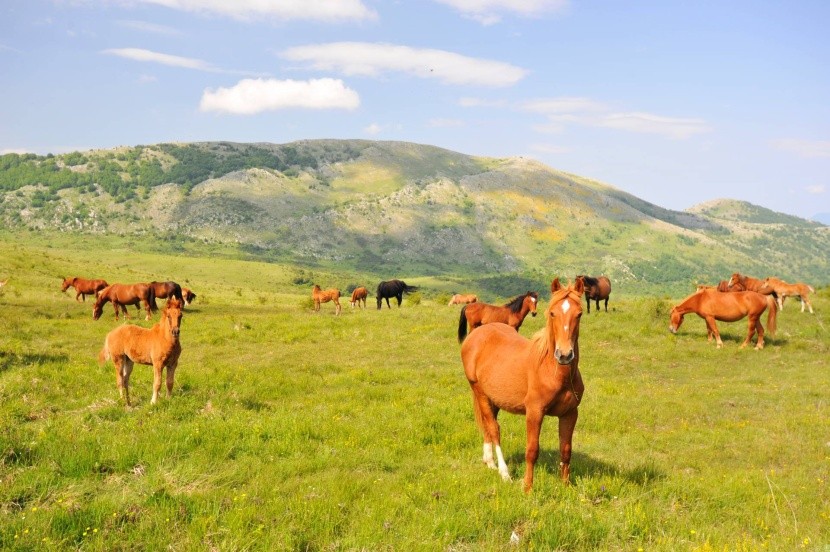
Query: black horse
x,y
393,288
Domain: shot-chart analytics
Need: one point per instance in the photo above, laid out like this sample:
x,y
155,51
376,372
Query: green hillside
x,y
394,208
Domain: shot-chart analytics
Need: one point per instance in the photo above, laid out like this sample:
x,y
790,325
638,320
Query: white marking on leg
x,y
566,306
487,456
503,471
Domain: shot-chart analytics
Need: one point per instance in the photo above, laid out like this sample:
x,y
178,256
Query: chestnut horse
x,y
125,294
749,284
536,377
158,347
358,295
165,290
513,313
596,289
783,290
714,305
83,287
723,286
461,299
321,296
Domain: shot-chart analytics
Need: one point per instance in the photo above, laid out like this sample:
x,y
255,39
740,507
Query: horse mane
x,y
515,304
589,280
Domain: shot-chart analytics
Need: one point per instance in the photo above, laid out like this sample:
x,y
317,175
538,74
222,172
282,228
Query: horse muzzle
x,y
563,359
533,314
175,332
672,329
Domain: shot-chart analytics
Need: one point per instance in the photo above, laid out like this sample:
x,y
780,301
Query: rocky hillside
x,y
401,208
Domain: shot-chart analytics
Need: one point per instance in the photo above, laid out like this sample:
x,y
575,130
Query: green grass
x,y
290,430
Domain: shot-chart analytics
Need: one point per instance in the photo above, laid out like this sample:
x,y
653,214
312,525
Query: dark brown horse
x,y
596,289
712,305
536,377
125,294
83,287
158,347
513,313
165,290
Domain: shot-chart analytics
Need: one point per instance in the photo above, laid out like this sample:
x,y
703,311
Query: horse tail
x,y
151,299
104,355
811,288
409,289
772,316
462,324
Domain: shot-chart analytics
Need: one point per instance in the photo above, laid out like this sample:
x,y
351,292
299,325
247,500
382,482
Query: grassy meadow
x,y
290,430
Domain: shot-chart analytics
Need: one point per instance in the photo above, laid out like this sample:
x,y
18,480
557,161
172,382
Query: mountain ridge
x,y
403,207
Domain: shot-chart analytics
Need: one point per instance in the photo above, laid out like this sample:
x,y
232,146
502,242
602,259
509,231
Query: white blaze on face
x,y
566,306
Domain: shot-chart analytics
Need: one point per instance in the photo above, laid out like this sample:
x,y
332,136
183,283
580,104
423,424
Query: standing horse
x,y
83,287
358,295
393,288
460,299
320,296
536,377
158,347
749,284
713,305
783,290
596,289
125,294
513,313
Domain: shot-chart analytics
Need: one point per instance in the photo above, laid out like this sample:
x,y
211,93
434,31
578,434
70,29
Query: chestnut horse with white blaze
x,y
784,290
712,305
536,377
513,313
320,296
358,295
463,299
158,347
83,287
125,294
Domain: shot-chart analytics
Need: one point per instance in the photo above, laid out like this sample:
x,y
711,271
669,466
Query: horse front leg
x,y
157,368
115,306
567,423
171,376
710,324
533,421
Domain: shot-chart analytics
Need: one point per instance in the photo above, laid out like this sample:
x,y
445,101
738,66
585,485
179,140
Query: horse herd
x,y
534,377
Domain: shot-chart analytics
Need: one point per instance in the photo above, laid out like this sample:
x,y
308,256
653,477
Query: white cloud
x,y
140,54
374,129
250,96
333,11
361,58
817,189
804,148
655,124
146,27
489,12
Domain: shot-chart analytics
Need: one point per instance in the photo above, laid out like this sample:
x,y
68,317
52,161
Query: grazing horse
x,y
536,377
125,294
188,295
713,305
596,289
158,347
165,290
83,287
321,296
393,288
461,299
358,295
783,290
513,313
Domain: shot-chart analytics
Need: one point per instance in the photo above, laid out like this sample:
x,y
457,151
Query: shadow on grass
x,y
9,360
585,466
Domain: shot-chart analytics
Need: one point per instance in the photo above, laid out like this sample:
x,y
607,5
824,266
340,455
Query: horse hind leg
x,y
123,369
487,420
760,329
753,322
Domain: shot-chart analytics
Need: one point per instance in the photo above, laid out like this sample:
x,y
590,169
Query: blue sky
x,y
675,102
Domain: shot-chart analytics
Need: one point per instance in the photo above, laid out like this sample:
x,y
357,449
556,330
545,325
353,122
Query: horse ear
x,y
555,285
579,285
